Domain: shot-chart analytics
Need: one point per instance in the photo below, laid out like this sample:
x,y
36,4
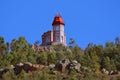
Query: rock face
x,y
66,64
62,65
27,67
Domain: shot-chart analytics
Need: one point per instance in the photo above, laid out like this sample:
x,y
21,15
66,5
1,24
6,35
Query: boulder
x,y
6,69
74,65
41,66
104,71
34,67
18,68
113,72
2,71
51,66
27,66
62,65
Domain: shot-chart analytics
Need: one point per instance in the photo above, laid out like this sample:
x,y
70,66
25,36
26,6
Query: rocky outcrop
x,y
38,48
62,65
18,68
112,72
65,64
27,67
74,65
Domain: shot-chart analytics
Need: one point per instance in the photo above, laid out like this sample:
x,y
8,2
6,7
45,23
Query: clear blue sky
x,y
86,21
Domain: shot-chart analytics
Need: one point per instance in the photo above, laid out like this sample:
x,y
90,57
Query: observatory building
x,y
57,35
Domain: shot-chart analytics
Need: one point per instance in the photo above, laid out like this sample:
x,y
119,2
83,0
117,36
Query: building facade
x,y
57,35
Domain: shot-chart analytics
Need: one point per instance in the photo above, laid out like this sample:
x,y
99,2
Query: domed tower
x,y
58,30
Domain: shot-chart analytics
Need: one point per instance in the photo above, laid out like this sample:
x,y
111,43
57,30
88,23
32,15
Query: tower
x,y
56,35
58,30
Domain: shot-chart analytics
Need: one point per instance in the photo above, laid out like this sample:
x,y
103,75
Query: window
x,y
57,38
57,27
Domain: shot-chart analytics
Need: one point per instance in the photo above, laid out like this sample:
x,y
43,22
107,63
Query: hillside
x,y
20,60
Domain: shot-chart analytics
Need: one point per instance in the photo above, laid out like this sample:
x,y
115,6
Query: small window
x,y
57,39
57,27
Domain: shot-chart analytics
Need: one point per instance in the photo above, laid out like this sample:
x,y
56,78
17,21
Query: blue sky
x,y
95,21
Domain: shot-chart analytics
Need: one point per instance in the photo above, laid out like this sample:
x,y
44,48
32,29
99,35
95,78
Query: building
x,y
57,35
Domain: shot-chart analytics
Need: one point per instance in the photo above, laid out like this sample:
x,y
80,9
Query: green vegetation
x,y
93,59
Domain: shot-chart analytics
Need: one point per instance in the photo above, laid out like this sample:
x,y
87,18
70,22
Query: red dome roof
x,y
58,20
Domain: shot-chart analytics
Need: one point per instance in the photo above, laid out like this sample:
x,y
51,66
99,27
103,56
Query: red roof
x,y
58,20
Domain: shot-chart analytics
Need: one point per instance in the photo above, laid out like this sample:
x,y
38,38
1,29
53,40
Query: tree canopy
x,y
94,57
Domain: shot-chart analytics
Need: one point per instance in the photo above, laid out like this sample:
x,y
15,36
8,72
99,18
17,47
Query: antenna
x,y
58,14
